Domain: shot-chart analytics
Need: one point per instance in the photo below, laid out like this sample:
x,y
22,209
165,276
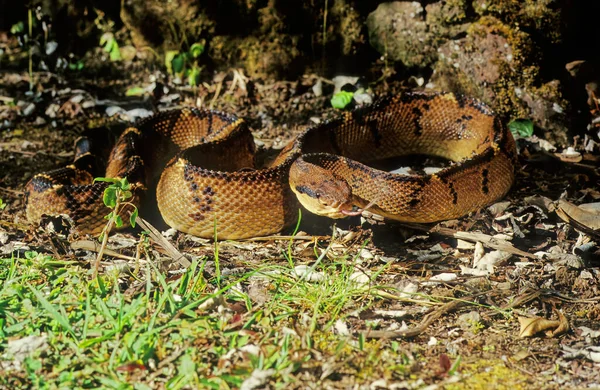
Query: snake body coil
x,y
203,164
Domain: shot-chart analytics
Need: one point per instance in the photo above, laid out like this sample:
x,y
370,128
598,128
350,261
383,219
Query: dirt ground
x,y
544,269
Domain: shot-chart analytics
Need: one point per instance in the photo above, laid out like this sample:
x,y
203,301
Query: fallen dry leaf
x,y
530,326
583,217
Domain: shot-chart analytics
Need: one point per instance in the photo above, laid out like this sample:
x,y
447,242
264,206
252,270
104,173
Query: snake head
x,y
321,191
328,198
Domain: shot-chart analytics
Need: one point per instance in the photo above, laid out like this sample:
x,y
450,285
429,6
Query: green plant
x,y
110,45
521,127
341,99
2,204
116,197
454,368
185,64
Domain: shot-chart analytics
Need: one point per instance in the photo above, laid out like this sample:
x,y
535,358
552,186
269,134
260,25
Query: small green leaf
x,y
133,217
521,127
124,184
178,63
2,204
341,99
454,369
110,45
169,56
135,91
107,179
17,28
76,65
194,76
110,197
197,49
115,53
118,221
106,41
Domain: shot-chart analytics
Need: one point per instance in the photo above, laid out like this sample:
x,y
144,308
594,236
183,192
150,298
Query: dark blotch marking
x,y
374,129
461,100
196,199
187,173
196,216
307,191
414,202
418,114
210,124
194,186
453,193
353,165
208,191
333,141
40,184
485,181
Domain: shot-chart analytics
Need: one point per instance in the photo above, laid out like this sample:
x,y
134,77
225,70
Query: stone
x,y
398,30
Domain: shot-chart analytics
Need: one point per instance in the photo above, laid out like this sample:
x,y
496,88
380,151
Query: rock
x,y
399,31
261,58
548,110
479,63
164,25
447,18
469,321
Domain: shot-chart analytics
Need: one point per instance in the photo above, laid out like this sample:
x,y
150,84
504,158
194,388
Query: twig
x,y
427,320
280,237
95,247
12,191
164,243
485,239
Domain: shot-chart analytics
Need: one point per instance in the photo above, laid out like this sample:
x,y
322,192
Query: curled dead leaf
x,y
584,217
530,326
569,155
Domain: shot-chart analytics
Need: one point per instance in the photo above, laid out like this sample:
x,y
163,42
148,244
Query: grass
x,y
148,330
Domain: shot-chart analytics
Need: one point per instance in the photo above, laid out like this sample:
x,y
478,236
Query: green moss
x,y
349,28
486,374
536,15
454,11
519,41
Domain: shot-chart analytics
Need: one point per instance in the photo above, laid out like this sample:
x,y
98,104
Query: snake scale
x,y
201,165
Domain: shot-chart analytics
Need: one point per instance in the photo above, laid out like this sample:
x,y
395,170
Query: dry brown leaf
x,y
586,216
521,355
564,325
530,326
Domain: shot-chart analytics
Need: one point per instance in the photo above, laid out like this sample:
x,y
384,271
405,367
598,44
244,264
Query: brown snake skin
x,y
205,160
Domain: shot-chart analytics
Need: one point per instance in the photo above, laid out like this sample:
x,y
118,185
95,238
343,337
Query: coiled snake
x,y
203,164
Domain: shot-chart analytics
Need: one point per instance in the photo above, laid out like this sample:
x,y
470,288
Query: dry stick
x,y
164,243
278,237
95,247
12,225
11,191
485,239
427,320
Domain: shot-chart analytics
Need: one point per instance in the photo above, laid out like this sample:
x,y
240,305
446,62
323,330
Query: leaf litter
x,y
477,285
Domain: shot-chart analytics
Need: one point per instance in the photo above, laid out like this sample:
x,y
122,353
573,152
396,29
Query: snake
x,y
199,164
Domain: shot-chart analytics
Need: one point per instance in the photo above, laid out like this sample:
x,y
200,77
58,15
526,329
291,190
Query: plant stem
x,y
105,233
30,22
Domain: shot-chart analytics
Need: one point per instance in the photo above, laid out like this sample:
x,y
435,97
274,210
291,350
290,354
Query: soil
x,y
490,346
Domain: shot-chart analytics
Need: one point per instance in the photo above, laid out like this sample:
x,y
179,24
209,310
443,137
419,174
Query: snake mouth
x,y
358,211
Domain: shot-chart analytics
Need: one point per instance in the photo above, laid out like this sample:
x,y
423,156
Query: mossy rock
x,y
398,30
